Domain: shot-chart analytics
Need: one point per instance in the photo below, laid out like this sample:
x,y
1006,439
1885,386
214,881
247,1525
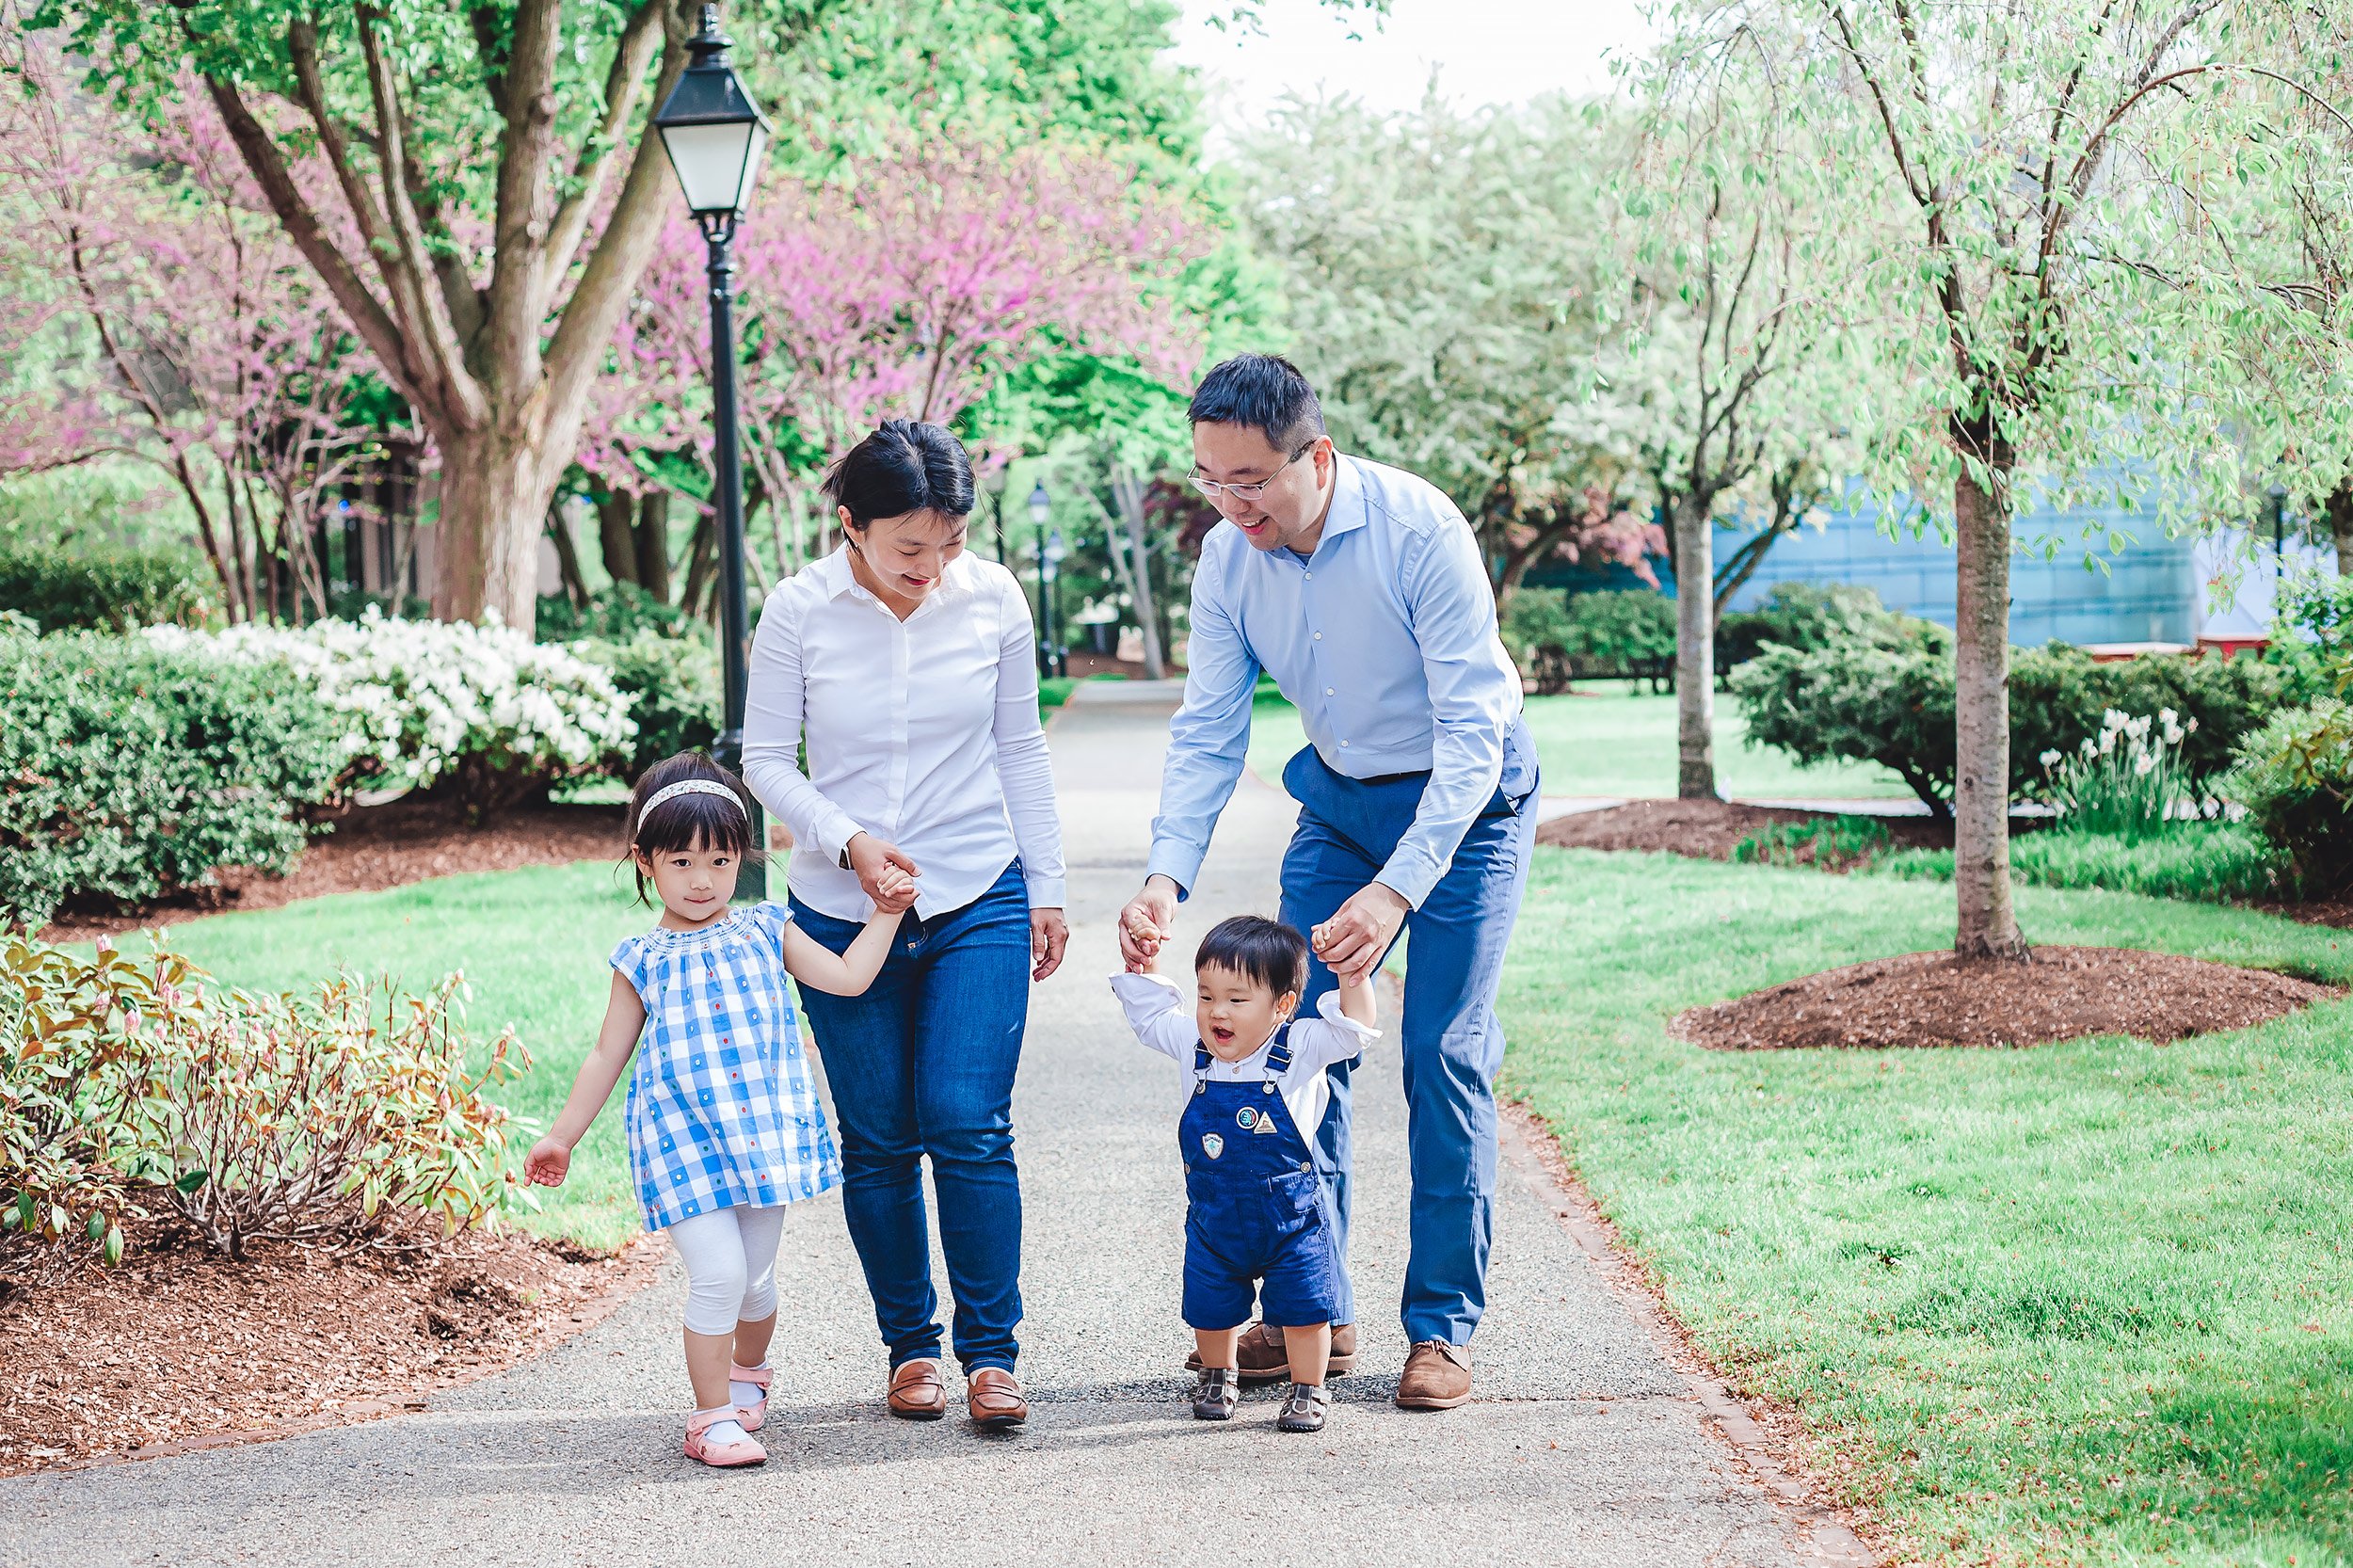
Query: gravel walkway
x,y
1584,1446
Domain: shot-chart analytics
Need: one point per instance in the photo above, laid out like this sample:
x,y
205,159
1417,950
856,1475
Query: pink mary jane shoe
x,y
749,1417
720,1456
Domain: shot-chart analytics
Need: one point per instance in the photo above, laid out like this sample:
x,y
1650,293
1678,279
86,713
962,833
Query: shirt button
x,y
1318,636
1310,576
1327,691
1343,743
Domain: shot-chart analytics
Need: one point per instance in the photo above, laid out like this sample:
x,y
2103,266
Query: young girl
x,y
723,1120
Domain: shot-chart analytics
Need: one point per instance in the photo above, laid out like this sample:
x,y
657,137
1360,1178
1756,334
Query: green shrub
x,y
127,771
1867,702
616,615
674,692
2207,861
1811,615
2311,634
104,586
75,1072
2294,776
1559,637
1829,843
319,1118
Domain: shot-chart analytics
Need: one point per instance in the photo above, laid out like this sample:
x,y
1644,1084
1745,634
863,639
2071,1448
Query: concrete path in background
x,y
1584,1446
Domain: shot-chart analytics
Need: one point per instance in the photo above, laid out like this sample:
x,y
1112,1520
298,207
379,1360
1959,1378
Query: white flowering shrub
x,y
480,711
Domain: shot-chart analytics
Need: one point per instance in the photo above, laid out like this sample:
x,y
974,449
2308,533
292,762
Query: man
x,y
1362,591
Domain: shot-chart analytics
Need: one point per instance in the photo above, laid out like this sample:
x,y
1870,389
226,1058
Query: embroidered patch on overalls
x,y
1247,1118
1211,1144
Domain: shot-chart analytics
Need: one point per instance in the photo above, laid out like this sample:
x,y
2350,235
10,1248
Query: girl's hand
x,y
547,1163
897,891
1048,935
872,859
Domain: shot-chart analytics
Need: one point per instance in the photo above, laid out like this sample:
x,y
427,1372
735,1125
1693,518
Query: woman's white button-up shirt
x,y
923,732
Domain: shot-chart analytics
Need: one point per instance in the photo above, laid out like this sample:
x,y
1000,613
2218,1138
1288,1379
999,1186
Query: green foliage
x,y
320,1117
674,692
107,586
2311,633
1811,615
2082,1303
2212,862
73,1075
2294,776
1839,843
1559,637
127,772
615,615
1874,703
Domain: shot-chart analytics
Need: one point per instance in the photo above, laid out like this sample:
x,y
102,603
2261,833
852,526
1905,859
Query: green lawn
x,y
533,945
1620,740
2082,1304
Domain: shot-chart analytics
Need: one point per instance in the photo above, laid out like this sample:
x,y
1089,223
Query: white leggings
x,y
730,1258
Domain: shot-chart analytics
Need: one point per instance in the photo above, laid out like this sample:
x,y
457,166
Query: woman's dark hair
x,y
904,466
1265,391
1267,951
691,821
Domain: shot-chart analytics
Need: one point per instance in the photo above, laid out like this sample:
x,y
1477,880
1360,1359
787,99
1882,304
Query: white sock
x,y
729,1431
746,1393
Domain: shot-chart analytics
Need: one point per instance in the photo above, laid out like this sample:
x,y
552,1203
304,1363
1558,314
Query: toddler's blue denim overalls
x,y
1257,1209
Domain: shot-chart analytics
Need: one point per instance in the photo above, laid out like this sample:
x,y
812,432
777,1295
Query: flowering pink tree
x,y
908,288
187,332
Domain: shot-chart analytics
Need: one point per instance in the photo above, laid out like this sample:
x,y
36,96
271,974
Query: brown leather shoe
x,y
916,1392
1259,1355
995,1398
1437,1376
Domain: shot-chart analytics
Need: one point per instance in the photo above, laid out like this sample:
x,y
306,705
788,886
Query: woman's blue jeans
x,y
923,1065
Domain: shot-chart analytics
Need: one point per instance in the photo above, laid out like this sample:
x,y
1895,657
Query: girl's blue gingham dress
x,y
722,1108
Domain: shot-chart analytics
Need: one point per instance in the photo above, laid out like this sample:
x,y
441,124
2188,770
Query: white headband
x,y
691,787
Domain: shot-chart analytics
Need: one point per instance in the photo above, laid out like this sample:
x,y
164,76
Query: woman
x,y
909,664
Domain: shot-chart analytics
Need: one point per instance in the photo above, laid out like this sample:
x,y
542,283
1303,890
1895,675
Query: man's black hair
x,y
1265,391
1266,952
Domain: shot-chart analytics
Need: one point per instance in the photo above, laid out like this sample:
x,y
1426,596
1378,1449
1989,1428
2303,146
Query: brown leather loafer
x,y
994,1396
1259,1355
1437,1376
916,1392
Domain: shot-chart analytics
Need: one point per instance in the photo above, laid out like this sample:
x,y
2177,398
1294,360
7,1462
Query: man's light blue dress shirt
x,y
1386,641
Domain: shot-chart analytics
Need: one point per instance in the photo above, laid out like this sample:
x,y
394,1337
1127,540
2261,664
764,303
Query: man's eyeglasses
x,y
1251,491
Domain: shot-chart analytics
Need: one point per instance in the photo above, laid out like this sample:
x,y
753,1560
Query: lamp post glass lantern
x,y
717,136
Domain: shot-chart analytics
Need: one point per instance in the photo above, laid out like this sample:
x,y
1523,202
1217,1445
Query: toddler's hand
x,y
894,891
547,1163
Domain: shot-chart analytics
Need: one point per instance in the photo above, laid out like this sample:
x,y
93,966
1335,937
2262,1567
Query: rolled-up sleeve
x,y
1209,739
772,708
1024,768
1474,700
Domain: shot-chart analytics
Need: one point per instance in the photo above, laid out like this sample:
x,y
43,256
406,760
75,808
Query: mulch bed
x,y
1709,829
179,1348
2060,993
370,850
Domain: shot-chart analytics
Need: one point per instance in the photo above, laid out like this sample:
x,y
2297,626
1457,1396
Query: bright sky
x,y
1484,51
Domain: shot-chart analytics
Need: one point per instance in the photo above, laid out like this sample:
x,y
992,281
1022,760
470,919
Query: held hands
x,y
874,861
1353,941
1144,924
897,891
546,1165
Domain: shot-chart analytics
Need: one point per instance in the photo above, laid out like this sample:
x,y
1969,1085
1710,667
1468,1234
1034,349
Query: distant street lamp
x,y
1041,508
1052,555
2279,521
715,136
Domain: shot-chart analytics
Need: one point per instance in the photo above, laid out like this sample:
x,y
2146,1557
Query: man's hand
x,y
871,858
1144,924
1353,941
1048,935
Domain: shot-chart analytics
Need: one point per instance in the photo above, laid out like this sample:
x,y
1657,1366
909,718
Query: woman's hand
x,y
548,1163
1048,935
871,858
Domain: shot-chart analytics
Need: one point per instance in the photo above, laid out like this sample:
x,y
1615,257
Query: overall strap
x,y
1201,1060
1278,1055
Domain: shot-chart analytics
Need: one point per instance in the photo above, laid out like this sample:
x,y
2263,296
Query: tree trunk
x,y
653,544
496,486
1127,489
1695,650
2339,507
568,557
702,565
616,539
1987,928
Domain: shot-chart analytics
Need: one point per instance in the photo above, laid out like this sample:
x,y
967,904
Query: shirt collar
x,y
1348,500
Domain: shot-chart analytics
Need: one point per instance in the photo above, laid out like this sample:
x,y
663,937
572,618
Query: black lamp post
x,y
1042,507
1053,554
2279,521
715,136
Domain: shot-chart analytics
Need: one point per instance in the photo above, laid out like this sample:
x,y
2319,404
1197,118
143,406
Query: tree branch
x,y
640,40
525,148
